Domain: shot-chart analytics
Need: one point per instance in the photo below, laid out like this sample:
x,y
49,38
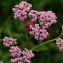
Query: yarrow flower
x,y
15,51
41,21
38,32
20,56
46,19
60,44
21,10
27,54
33,15
9,41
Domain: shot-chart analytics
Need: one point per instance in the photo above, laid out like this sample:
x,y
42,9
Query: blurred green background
x,y
15,28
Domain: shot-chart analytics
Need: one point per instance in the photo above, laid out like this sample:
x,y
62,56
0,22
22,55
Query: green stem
x,y
30,37
46,42
43,43
60,35
26,36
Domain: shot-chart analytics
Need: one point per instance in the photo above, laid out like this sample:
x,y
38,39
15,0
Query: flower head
x,y
9,41
15,51
46,19
20,56
60,44
38,32
20,10
33,15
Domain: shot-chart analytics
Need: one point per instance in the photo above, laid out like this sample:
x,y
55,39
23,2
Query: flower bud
x,y
27,25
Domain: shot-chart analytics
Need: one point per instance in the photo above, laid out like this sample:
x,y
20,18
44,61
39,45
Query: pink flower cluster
x,y
38,32
20,56
20,11
33,14
60,44
15,51
45,19
9,41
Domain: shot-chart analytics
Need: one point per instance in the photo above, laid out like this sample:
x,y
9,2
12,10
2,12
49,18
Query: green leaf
x,y
6,57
